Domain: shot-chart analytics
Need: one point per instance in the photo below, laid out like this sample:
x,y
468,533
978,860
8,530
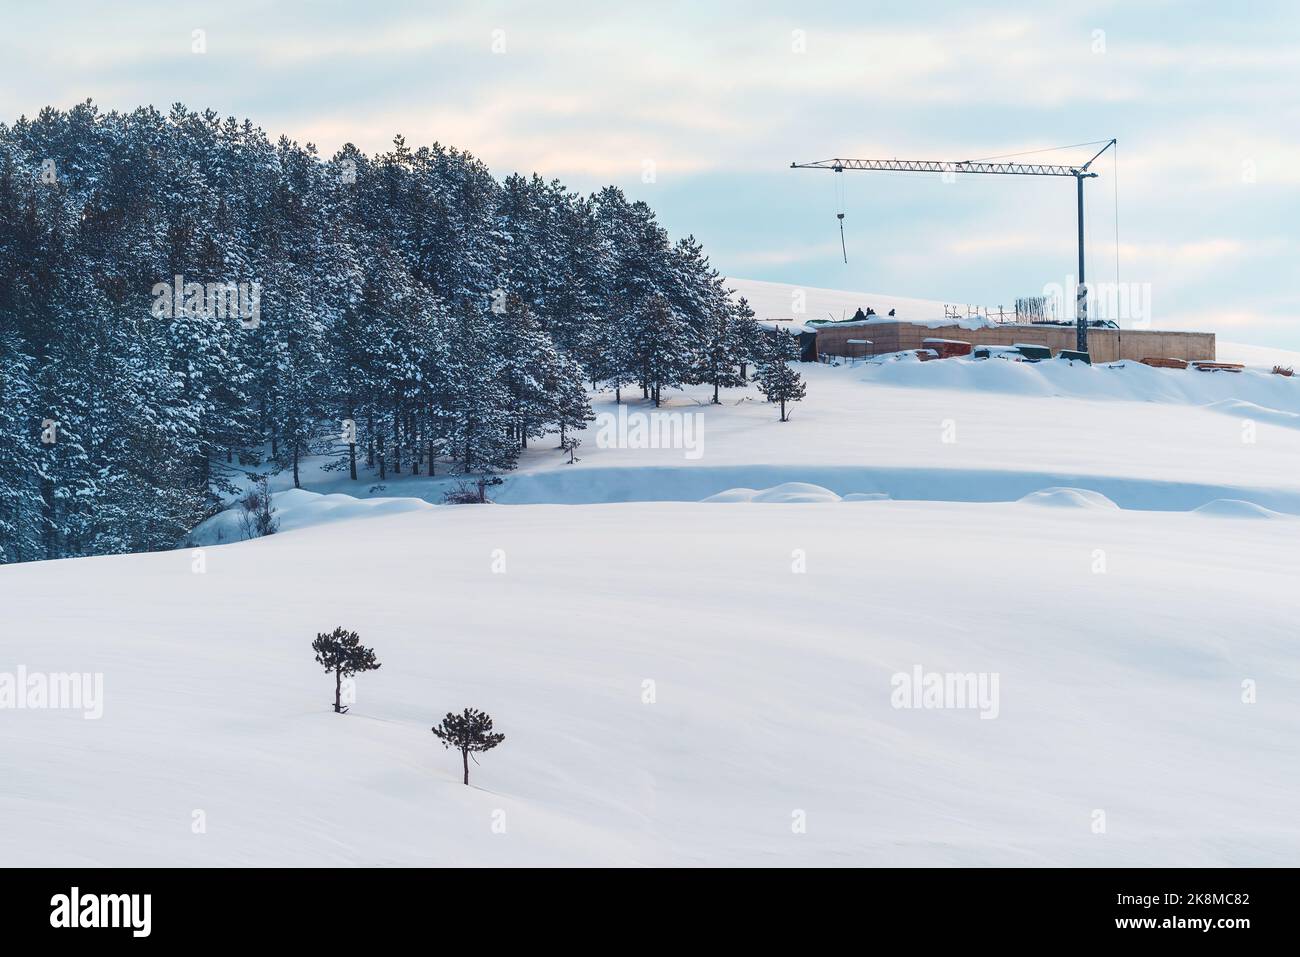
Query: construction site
x,y
1041,336
873,336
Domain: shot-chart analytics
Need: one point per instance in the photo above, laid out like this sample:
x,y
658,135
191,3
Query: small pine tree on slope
x,y
468,732
341,652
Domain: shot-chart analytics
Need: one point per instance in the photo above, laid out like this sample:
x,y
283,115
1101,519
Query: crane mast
x,y
1080,173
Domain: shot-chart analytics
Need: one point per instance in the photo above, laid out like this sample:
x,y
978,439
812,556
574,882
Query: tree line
x,y
183,300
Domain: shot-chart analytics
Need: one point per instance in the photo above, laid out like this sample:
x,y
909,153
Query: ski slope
x,y
1104,541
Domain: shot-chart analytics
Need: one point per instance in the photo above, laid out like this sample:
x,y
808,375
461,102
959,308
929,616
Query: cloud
x,y
720,99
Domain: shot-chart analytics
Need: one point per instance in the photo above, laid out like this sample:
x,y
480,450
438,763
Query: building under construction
x,y
877,336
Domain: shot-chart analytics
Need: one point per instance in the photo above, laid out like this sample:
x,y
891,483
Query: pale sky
x,y
716,99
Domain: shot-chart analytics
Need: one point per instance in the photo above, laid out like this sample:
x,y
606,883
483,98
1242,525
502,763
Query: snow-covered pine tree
x,y
482,427
722,344
777,378
663,347
569,409
746,335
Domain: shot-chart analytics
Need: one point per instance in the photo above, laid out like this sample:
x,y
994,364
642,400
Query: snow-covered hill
x,y
956,430
684,682
1118,691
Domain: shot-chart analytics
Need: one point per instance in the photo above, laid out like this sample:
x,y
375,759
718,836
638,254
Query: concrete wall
x,y
1105,345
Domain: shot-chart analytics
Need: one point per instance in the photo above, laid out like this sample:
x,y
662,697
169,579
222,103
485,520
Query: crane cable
x,y
1048,149
839,190
1088,217
1115,177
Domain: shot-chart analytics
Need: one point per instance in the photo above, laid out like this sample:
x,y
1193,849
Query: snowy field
x,y
1122,622
958,430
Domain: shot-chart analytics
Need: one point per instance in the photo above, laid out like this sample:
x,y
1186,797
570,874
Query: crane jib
x,y
942,166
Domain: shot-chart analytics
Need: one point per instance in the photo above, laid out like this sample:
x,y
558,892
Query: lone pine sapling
x,y
469,731
341,652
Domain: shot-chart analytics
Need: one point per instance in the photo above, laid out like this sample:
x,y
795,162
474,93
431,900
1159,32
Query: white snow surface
x,y
1118,691
1121,622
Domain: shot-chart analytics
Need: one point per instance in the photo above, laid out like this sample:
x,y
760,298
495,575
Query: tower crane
x,y
1080,173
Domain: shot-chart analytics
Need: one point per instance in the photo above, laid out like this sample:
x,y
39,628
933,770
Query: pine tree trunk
x,y
464,756
296,484
338,690
50,532
205,473
352,460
